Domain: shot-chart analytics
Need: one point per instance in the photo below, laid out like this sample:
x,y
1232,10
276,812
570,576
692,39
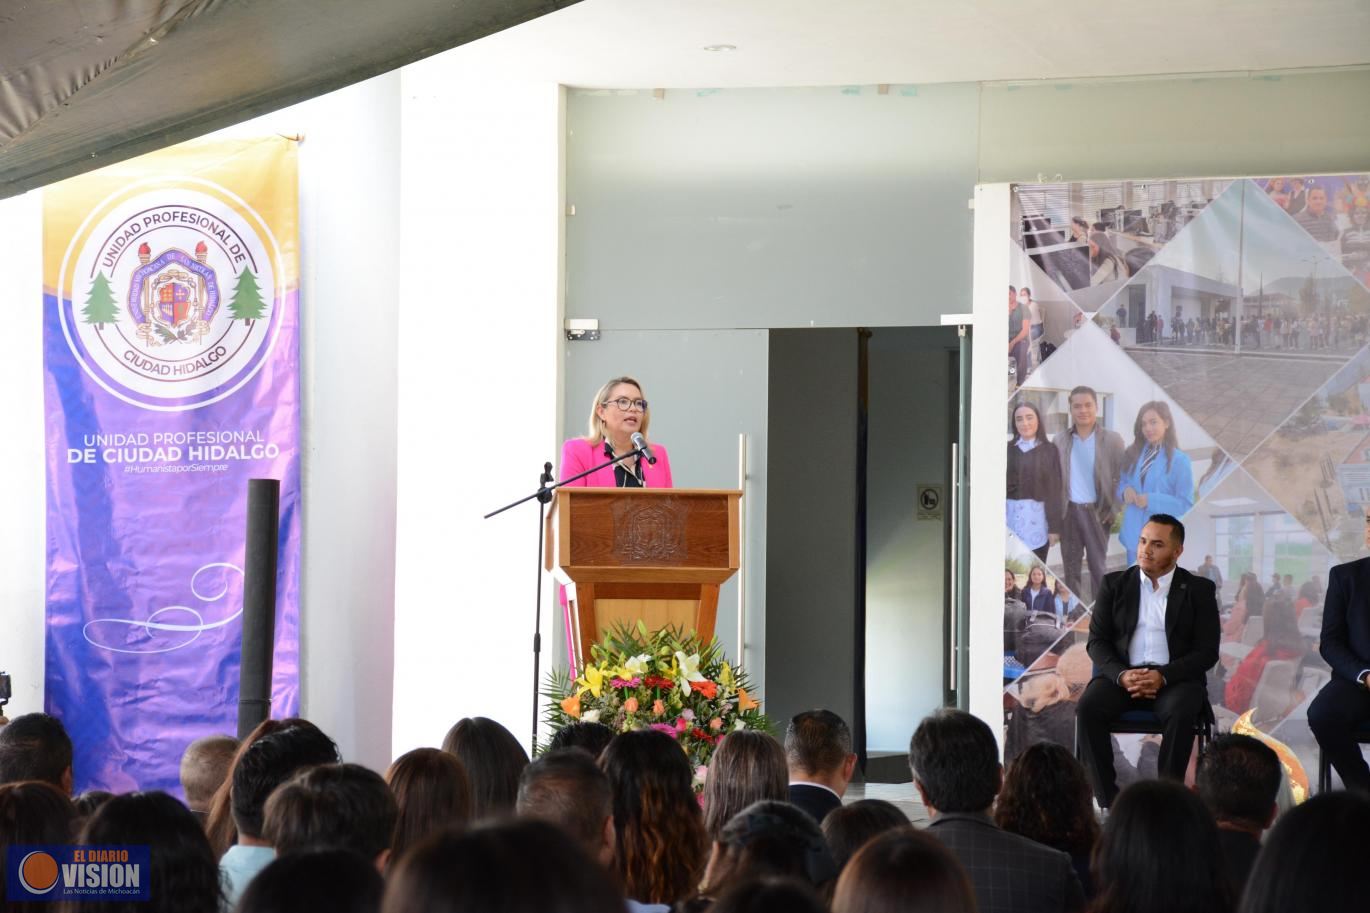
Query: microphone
x,y
640,443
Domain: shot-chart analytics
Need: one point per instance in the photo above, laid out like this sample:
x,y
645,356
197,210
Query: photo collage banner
x,y
171,378
1219,329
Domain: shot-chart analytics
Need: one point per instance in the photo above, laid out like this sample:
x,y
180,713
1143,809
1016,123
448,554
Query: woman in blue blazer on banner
x,y
1157,475
618,412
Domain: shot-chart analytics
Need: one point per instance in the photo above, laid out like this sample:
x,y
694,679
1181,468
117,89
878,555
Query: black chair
x,y
1362,737
1146,722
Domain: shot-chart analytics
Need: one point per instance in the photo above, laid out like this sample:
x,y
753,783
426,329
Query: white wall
x,y
22,541
478,391
349,231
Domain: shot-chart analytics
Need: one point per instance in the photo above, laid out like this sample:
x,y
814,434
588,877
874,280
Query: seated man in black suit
x,y
955,764
1153,636
1343,704
818,753
1239,781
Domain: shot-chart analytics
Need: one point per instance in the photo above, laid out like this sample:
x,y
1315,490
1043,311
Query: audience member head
x,y
334,806
219,824
432,793
1281,626
851,827
1159,853
818,749
266,764
488,869
204,768
1313,858
661,844
493,759
1046,797
904,871
90,801
33,812
955,762
769,838
184,873
1239,779
593,737
746,767
766,895
36,746
338,881
566,787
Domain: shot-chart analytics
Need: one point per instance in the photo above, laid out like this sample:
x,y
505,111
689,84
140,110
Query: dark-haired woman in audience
x,y
184,877
1157,475
593,737
1046,797
769,839
339,881
1159,853
850,827
1249,603
1313,860
524,866
432,792
493,759
748,766
1034,504
904,871
661,843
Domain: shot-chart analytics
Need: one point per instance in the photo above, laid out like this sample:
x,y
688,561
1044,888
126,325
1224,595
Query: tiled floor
x,y
1238,399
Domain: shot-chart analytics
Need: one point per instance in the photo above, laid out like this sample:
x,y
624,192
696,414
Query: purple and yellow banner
x,y
171,351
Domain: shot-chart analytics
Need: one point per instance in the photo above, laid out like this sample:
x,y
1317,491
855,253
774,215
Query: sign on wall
x,y
171,301
1210,337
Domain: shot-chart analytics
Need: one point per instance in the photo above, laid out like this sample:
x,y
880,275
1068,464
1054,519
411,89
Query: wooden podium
x,y
658,555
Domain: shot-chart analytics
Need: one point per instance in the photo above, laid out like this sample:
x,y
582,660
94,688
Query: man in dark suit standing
x,y
955,764
1091,462
1343,704
818,753
1153,636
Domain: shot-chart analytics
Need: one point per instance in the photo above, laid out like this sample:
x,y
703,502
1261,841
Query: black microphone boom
x,y
640,443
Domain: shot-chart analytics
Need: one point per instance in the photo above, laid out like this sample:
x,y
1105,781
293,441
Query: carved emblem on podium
x,y
651,532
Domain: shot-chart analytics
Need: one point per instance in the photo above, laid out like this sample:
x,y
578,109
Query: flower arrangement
x,y
669,681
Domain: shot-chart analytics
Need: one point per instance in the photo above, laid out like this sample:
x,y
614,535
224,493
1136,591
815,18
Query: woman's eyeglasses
x,y
625,404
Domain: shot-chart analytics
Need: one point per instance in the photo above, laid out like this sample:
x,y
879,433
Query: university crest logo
x,y
170,297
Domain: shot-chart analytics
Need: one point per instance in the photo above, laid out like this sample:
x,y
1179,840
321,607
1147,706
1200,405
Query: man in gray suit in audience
x,y
955,764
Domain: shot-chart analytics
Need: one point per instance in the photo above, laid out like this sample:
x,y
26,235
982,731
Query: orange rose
x,y
572,706
630,705
658,708
715,724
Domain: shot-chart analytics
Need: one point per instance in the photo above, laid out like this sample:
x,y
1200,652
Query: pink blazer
x,y
577,456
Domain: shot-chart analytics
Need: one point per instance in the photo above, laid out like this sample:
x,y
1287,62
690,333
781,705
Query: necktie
x,y
1148,457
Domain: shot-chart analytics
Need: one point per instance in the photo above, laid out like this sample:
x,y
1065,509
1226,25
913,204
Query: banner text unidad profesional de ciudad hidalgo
x,y
171,353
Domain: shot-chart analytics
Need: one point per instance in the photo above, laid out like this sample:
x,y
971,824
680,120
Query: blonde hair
x,y
596,427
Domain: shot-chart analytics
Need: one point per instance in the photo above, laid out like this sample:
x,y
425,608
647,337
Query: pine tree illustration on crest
x,y
247,303
100,306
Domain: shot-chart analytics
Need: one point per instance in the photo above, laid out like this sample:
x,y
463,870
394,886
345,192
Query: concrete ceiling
x,y
660,43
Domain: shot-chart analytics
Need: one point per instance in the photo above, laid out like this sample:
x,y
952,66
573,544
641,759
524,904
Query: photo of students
x,y
1157,477
1034,503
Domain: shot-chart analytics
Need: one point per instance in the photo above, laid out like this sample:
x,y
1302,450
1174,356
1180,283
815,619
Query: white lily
x,y
689,670
590,716
637,665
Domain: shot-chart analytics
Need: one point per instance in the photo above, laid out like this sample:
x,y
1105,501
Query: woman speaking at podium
x,y
619,411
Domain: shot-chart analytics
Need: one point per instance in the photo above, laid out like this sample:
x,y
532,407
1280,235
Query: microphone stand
x,y
543,495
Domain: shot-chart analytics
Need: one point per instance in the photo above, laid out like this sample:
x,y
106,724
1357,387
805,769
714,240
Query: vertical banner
x,y
1196,348
171,351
